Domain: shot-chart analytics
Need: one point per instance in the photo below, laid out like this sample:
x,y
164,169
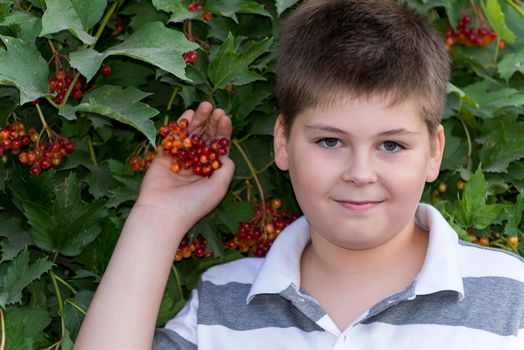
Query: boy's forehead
x,y
343,100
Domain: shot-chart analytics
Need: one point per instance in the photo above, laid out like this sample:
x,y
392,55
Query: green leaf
x,y
16,238
471,210
72,316
229,8
283,5
456,150
38,189
24,327
29,25
511,63
499,151
246,100
461,95
62,15
5,10
97,254
169,5
23,67
89,12
18,276
99,180
126,193
143,12
206,228
69,225
514,216
234,212
122,105
497,19
491,99
230,66
152,43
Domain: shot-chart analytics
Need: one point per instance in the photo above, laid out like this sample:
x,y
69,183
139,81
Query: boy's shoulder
x,y
243,271
479,261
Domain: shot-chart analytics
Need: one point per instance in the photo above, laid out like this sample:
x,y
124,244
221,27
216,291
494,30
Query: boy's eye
x,y
391,146
329,142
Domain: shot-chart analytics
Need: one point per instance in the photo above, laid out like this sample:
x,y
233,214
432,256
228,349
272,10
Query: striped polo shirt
x,y
464,297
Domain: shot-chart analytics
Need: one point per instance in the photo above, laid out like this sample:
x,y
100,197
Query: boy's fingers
x,y
201,115
224,127
188,114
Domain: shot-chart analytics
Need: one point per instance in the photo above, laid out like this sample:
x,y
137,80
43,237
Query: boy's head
x,y
331,50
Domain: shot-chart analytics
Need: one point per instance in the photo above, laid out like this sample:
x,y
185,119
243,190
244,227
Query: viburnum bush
x,y
91,90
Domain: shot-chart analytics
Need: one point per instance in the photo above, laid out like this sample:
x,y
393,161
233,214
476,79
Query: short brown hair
x,y
329,49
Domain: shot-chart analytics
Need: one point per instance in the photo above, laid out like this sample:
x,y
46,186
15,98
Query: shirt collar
x,y
440,271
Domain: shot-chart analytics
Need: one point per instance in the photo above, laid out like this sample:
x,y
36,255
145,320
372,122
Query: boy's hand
x,y
184,196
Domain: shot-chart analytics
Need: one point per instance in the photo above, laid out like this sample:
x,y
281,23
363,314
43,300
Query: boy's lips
x,y
358,205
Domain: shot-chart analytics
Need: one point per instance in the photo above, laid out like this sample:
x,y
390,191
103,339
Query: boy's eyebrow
x,y
327,128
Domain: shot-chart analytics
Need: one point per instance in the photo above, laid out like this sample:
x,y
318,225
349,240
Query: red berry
x,y
35,169
206,16
60,75
190,57
136,163
106,70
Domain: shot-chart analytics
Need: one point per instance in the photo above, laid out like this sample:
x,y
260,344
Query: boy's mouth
x,y
358,205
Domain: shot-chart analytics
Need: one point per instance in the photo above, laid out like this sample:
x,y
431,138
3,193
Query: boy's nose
x,y
359,169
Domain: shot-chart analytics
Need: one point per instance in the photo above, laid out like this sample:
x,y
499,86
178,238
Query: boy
x,y
361,87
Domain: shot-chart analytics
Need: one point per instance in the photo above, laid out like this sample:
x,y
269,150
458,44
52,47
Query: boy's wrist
x,y
159,221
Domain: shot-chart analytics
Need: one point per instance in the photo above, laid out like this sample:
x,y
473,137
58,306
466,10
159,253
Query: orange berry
x,y
484,241
513,241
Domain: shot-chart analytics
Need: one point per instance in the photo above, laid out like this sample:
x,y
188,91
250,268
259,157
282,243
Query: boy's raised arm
x,y
124,309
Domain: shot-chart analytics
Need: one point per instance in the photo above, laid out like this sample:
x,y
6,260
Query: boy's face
x,y
358,169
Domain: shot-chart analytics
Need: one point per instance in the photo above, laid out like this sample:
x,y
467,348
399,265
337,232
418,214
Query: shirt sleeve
x,y
179,333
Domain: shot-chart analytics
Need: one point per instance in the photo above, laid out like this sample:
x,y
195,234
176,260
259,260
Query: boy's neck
x,y
407,248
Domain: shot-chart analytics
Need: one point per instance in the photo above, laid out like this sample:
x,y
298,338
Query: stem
x,y
92,152
53,346
516,7
66,284
42,119
497,49
76,306
172,98
2,342
60,302
103,24
177,280
254,173
468,137
51,102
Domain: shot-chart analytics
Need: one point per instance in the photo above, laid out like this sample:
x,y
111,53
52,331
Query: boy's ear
x,y
439,140
280,143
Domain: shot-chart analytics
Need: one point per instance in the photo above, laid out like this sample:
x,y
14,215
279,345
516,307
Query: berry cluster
x,y
39,155
254,237
191,152
468,36
257,235
60,82
46,154
138,162
197,248
190,57
13,137
194,7
206,16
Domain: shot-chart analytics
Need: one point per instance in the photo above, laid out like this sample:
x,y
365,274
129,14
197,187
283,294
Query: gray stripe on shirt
x,y
492,304
167,339
225,305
